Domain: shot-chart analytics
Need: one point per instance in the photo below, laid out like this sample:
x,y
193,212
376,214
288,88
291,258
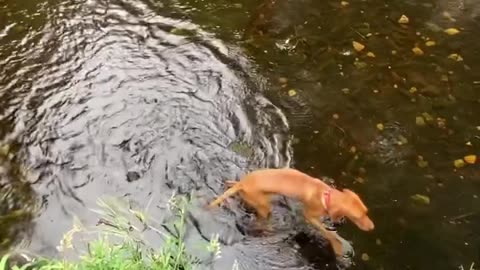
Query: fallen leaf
x,y
402,140
468,143
371,54
430,43
283,80
421,198
335,116
470,159
427,116
455,57
452,31
344,3
420,121
421,162
353,149
360,64
458,163
417,51
380,126
292,92
365,257
403,19
358,46
4,149
447,15
412,90
346,91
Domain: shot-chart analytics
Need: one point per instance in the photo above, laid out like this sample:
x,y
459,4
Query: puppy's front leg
x,y
330,236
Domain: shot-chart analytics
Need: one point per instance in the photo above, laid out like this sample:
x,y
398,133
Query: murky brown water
x,y
140,99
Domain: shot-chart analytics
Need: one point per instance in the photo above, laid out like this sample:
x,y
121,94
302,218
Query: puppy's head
x,y
355,210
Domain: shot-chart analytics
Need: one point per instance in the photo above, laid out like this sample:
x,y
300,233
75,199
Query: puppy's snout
x,y
368,225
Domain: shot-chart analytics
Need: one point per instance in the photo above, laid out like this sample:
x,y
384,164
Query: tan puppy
x,y
318,199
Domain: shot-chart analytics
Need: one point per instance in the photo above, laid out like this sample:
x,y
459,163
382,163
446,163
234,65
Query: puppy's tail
x,y
229,192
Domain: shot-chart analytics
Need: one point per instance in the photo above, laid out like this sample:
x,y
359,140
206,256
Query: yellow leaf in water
x,y
292,92
427,116
430,43
420,121
358,46
470,159
458,163
365,257
417,51
380,126
413,90
403,19
452,31
447,15
371,54
344,3
283,80
422,163
421,198
455,57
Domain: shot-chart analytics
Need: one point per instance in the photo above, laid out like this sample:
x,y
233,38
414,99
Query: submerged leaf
x,y
421,162
358,46
430,43
360,64
470,159
371,54
403,19
452,31
427,116
292,92
365,257
417,51
421,198
458,163
455,57
283,80
380,126
420,121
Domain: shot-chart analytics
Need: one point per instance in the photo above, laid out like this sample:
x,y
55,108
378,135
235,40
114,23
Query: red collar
x,y
326,198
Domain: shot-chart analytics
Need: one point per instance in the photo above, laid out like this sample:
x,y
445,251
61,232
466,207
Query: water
x,y
140,99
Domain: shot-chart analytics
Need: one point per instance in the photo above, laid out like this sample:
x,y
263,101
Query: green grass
x,y
118,243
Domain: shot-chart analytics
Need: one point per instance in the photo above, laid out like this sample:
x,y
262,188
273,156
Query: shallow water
x,y
142,99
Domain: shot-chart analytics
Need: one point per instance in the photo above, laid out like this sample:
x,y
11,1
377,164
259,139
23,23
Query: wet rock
x,y
132,176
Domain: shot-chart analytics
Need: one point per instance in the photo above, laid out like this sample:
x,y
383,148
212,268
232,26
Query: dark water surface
x,y
141,99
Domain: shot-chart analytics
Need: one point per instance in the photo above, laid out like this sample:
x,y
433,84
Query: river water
x,y
141,99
